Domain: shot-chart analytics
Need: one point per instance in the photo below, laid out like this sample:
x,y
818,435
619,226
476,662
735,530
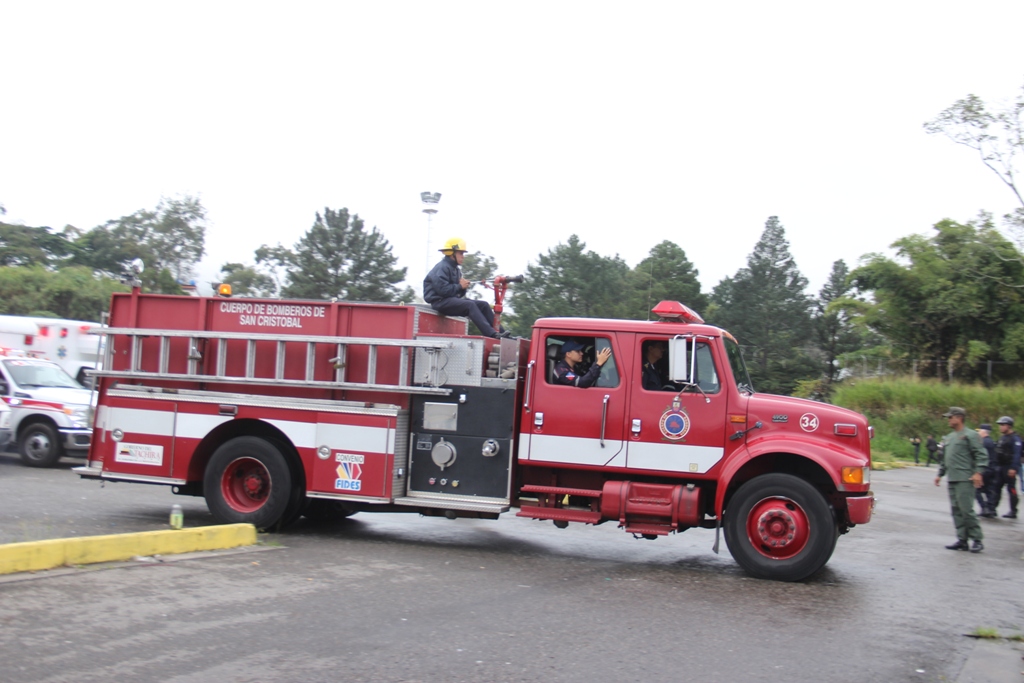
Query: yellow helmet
x,y
452,245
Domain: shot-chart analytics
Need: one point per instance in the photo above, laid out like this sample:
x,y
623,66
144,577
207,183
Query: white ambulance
x,y
50,414
67,343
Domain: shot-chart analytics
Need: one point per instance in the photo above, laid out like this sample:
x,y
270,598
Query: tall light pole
x,y
430,200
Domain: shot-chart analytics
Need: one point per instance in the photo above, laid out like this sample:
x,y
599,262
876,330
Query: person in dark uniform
x,y
570,371
932,446
963,458
985,494
1008,452
444,289
915,441
652,378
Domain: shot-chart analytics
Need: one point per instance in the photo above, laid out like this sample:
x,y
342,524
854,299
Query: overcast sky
x,y
625,123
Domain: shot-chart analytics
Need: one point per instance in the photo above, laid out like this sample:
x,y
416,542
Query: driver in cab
x,y
570,371
652,378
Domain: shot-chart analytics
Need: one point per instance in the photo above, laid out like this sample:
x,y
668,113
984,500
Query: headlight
x,y
81,416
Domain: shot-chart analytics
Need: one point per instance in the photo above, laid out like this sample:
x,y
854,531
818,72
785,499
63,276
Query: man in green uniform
x,y
963,459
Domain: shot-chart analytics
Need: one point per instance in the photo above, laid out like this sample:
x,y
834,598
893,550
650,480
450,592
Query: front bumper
x,y
75,439
5,436
859,508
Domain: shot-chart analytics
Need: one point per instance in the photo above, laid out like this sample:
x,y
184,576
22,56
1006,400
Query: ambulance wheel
x,y
780,527
248,481
321,510
39,445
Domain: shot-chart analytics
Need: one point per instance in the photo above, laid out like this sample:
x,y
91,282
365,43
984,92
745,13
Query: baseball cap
x,y
987,427
571,346
955,411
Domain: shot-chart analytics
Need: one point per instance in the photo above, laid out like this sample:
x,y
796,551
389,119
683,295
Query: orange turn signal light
x,y
856,475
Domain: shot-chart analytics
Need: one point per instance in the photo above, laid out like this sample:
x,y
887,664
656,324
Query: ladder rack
x,y
195,359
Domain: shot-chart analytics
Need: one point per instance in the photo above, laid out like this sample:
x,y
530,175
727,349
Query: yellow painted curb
x,y
36,555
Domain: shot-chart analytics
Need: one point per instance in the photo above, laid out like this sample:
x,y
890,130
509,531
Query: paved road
x,y
403,598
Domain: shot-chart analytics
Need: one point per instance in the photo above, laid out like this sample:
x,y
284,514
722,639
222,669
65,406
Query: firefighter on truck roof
x,y
444,289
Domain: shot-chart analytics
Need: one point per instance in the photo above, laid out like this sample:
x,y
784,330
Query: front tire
x,y
39,445
248,481
780,527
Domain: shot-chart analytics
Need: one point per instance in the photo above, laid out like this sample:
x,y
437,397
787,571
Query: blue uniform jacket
x,y
1009,447
566,375
442,282
990,446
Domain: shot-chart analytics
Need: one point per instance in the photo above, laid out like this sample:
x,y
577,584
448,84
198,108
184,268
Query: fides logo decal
x,y
350,471
675,423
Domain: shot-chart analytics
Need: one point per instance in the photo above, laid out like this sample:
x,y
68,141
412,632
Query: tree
x,y
766,309
478,267
170,240
21,245
954,298
666,274
247,280
339,258
72,292
833,324
998,138
569,281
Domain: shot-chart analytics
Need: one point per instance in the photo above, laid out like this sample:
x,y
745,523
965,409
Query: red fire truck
x,y
274,409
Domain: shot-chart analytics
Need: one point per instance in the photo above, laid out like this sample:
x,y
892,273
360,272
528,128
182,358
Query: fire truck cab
x,y
273,410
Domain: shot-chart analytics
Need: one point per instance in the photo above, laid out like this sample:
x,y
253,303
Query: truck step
x,y
453,504
649,529
559,514
561,491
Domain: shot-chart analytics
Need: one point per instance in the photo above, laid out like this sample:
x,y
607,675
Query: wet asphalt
x,y
404,598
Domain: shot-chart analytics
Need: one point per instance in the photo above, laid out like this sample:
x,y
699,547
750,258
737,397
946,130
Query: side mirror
x,y
679,360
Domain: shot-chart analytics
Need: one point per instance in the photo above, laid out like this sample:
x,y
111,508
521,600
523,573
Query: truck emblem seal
x,y
675,423
808,422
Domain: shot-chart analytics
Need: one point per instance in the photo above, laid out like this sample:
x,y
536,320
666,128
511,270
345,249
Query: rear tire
x,y
39,445
248,481
780,527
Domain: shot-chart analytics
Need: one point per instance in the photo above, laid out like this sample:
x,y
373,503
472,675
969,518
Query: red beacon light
x,y
673,311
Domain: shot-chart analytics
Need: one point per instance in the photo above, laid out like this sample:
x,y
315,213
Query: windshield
x,y
34,374
739,369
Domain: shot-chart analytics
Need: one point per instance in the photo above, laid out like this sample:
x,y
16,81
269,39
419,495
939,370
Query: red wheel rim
x,y
245,484
778,528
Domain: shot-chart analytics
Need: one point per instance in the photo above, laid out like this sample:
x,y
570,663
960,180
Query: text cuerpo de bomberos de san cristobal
x,y
260,314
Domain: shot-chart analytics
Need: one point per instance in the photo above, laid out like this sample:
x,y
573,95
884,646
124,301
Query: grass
x,y
988,633
883,460
900,408
985,632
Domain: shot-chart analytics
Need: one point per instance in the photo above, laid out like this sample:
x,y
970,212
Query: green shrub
x,y
901,408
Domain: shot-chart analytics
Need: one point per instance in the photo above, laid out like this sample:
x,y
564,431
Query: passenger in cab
x,y
570,370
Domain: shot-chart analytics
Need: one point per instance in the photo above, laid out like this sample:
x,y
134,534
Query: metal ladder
x,y
195,358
